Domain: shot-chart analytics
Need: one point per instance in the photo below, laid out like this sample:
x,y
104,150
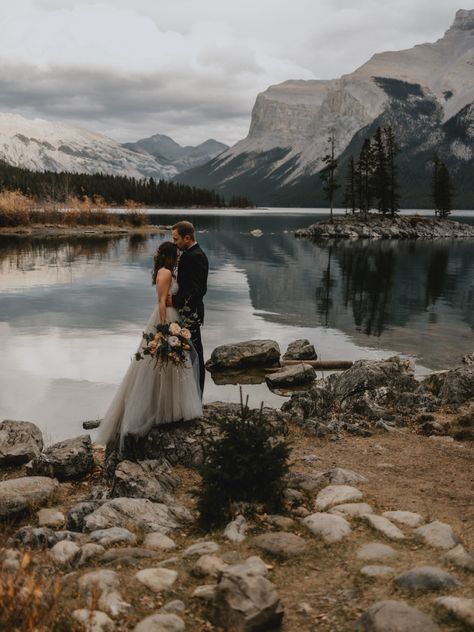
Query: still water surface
x,y
72,309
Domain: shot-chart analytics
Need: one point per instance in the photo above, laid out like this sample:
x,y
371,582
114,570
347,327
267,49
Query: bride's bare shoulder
x,y
164,273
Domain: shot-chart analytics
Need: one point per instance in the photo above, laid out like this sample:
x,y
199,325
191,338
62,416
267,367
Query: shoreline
x,y
103,230
378,227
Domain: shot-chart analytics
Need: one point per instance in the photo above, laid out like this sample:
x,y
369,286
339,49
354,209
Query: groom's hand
x,y
169,302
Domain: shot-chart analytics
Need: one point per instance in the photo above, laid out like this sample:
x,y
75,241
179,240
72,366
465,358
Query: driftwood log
x,y
320,364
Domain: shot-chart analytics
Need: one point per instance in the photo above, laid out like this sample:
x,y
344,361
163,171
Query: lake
x,y
72,309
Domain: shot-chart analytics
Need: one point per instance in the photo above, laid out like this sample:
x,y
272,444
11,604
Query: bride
x,y
151,395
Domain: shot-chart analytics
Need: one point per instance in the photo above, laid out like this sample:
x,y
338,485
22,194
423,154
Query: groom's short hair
x,y
184,228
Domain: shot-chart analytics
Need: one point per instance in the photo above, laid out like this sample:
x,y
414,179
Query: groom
x,y
193,269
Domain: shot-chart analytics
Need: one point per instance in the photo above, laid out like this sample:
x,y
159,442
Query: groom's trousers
x,y
197,342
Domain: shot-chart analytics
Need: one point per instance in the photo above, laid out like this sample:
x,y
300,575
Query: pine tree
x,y
443,189
365,167
350,191
380,172
392,149
328,172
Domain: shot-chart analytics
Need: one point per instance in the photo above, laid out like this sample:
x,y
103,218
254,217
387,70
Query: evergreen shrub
x,y
245,464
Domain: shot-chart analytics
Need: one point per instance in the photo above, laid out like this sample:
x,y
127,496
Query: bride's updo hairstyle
x,y
166,257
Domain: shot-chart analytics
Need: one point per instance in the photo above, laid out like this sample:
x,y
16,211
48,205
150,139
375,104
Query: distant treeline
x,y
49,186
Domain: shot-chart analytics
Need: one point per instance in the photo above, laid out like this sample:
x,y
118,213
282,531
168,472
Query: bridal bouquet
x,y
169,344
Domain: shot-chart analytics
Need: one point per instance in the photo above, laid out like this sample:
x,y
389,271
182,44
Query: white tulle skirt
x,y
152,395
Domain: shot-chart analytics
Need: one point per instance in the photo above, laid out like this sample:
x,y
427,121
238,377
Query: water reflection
x,y
72,309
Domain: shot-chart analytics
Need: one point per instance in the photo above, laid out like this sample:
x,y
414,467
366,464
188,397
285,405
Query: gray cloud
x,y
190,69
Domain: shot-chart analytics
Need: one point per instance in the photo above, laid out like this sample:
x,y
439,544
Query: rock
x,y
395,616
93,620
235,530
300,349
384,526
425,579
65,552
140,512
34,537
245,601
157,579
369,376
127,555
280,544
458,608
51,517
69,459
112,602
209,566
150,479
256,232
282,522
112,535
160,623
173,607
78,512
438,534
461,558
158,542
292,375
242,354
375,551
98,580
205,592
10,560
408,518
455,386
105,583
88,552
377,571
352,509
91,424
340,476
21,495
20,441
330,527
201,548
336,495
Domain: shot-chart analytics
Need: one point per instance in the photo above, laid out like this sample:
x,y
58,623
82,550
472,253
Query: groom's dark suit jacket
x,y
193,269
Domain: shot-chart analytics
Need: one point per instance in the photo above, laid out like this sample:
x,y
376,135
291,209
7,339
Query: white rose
x,y
185,333
173,341
175,329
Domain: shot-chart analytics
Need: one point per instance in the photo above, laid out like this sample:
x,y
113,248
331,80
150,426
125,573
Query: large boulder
x,y
20,495
243,354
455,386
69,459
395,616
138,512
293,375
300,349
244,600
150,479
20,441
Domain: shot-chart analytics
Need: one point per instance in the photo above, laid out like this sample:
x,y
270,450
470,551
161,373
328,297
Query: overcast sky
x,y
189,68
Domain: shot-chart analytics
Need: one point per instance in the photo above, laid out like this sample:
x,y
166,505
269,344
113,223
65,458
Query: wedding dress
x,y
152,395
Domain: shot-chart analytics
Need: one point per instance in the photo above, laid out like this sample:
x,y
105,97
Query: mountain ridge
x,y
280,158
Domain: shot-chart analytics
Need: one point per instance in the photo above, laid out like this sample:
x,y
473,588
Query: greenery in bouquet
x,y
170,343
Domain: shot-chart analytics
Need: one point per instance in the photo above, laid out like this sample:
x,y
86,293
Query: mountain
x,y
166,150
43,145
426,93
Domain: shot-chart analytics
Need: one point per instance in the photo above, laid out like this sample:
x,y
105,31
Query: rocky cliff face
x,y
432,84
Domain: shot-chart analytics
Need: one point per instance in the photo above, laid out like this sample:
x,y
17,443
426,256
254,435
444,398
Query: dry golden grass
x,y
17,209
28,601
